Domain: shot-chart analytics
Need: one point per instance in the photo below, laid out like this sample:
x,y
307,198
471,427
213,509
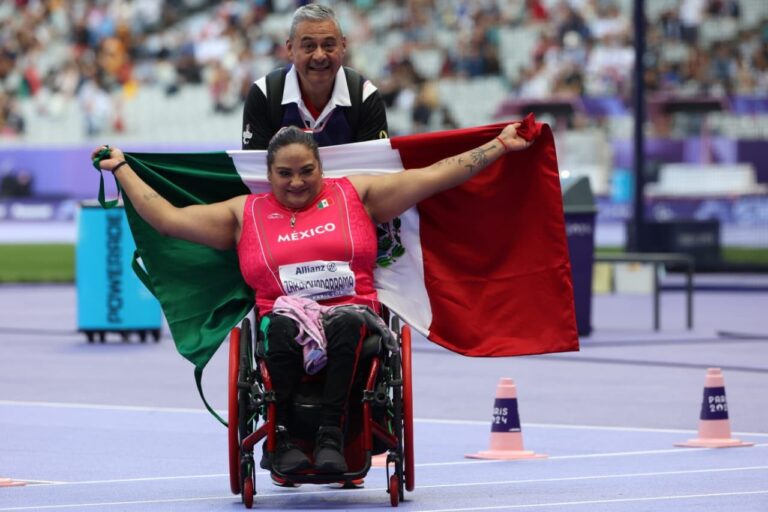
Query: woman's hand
x,y
115,157
511,140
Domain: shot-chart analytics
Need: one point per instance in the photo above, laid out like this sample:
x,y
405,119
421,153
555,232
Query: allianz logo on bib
x,y
307,233
307,269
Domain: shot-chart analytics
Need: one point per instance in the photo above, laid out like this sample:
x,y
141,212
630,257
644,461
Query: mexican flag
x,y
481,269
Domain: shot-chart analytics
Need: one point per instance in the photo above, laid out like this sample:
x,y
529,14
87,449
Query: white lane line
x,y
579,456
632,429
438,421
647,452
443,486
498,507
553,479
103,407
422,465
38,482
143,479
122,503
435,421
598,477
602,502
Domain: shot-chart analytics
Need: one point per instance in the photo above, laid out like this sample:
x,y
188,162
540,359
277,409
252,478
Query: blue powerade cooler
x,y
110,298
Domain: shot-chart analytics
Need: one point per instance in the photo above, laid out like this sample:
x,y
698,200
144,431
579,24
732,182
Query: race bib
x,y
318,280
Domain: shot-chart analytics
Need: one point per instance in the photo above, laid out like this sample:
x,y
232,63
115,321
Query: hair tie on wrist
x,y
506,149
119,165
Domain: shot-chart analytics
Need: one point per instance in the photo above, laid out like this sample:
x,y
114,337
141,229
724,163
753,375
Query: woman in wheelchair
x,y
309,243
344,333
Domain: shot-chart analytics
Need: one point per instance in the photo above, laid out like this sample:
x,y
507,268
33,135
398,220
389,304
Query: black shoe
x,y
287,458
329,445
282,482
265,462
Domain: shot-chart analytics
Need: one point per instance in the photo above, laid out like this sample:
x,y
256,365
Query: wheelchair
x,y
379,417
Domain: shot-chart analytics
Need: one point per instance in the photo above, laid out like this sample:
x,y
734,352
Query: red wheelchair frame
x,y
250,398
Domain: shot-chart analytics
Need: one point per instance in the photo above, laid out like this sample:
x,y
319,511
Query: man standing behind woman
x,y
315,92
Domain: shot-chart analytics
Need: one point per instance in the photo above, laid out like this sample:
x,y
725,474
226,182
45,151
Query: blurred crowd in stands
x,y
99,53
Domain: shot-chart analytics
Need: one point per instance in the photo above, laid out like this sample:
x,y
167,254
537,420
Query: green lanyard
x,y
101,155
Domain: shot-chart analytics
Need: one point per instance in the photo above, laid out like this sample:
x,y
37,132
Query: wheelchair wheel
x,y
232,418
248,492
408,452
395,484
245,419
394,490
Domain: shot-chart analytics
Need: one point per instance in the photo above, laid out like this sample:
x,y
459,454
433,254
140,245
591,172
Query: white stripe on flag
x,y
401,285
370,157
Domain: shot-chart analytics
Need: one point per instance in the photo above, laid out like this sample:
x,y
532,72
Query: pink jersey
x,y
328,255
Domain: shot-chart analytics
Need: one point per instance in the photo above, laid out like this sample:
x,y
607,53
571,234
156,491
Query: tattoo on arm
x,y
479,159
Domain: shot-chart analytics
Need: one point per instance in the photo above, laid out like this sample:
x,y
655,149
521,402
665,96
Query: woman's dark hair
x,y
290,135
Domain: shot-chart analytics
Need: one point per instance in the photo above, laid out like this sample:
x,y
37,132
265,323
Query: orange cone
x,y
506,434
714,425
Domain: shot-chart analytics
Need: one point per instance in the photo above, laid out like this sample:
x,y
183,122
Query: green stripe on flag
x,y
200,289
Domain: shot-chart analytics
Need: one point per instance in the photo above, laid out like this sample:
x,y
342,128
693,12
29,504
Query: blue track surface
x,y
119,426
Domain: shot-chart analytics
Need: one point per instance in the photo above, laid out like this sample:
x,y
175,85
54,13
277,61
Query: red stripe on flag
x,y
495,251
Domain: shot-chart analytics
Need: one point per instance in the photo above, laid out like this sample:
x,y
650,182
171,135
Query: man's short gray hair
x,y
313,12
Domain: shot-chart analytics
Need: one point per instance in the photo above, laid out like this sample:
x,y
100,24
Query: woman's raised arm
x,y
216,225
387,196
